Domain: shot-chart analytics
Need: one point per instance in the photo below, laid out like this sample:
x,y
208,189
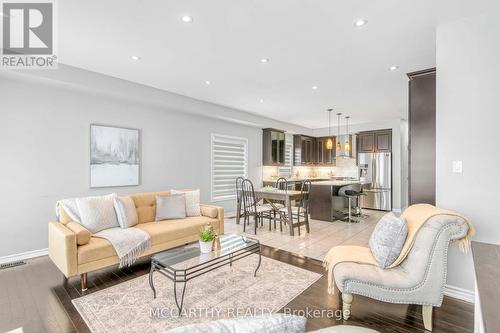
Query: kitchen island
x,y
324,202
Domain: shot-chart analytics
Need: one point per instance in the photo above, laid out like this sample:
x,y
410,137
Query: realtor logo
x,y
28,35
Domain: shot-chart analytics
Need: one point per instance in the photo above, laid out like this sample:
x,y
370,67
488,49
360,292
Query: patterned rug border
x,y
82,315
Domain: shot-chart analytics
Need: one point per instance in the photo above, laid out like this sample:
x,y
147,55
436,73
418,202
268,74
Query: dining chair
x,y
259,212
239,202
301,209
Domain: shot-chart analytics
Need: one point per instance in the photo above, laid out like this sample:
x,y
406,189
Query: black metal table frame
x,y
184,275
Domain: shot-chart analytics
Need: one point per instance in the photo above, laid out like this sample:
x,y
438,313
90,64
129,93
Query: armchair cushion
x,y
388,239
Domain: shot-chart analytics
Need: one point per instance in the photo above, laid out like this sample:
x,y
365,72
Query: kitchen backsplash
x,y
343,168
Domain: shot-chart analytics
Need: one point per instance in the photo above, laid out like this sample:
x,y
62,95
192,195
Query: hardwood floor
x,y
38,298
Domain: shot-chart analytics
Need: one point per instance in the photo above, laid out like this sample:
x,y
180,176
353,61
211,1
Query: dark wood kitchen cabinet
x,y
304,150
375,141
273,147
325,156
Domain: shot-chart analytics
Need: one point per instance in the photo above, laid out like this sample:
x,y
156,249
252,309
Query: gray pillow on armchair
x,y
388,239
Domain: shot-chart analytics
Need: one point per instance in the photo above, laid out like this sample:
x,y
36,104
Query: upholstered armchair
x,y
419,279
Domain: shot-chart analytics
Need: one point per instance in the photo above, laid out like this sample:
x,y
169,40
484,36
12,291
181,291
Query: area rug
x,y
223,293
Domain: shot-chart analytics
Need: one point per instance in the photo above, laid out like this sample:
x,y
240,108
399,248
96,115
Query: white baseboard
x,y
24,256
459,293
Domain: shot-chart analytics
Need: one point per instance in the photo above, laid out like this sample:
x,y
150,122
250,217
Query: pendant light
x,y
329,142
339,145
347,144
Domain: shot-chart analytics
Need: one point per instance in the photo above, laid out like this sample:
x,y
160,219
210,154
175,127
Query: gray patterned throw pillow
x,y
388,239
170,207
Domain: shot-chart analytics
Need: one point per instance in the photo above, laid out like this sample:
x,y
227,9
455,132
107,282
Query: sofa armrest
x,y
214,212
63,248
82,234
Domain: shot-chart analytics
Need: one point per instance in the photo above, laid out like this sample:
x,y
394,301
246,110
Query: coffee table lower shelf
x,y
182,276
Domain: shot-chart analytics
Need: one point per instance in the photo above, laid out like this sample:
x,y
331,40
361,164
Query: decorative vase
x,y
205,247
216,243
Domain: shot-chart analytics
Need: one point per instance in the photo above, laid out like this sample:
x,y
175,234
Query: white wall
x,y
467,120
398,179
44,143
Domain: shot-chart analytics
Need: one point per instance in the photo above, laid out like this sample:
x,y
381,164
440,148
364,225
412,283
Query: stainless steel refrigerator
x,y
375,171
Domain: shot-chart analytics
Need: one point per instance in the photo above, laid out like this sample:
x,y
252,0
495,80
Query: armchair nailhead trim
x,y
418,286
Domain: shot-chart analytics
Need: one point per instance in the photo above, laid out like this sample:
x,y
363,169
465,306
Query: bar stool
x,y
350,192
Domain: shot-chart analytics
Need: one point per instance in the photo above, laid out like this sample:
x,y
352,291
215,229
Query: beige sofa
x,y
75,251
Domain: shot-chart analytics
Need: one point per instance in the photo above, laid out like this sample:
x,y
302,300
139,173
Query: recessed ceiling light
x,y
314,87
393,68
261,100
135,58
187,19
207,82
264,60
360,23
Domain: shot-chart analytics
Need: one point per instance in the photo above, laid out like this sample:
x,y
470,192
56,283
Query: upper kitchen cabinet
x,y
375,141
366,142
304,150
273,149
383,141
325,156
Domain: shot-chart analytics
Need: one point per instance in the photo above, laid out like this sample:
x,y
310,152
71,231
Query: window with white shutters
x,y
229,161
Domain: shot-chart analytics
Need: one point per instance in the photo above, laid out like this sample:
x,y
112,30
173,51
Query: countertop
x,y
296,179
337,182
487,267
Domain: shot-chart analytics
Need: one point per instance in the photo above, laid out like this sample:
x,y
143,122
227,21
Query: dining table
x,y
271,196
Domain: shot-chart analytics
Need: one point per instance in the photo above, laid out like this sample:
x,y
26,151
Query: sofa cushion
x,y
82,234
170,207
97,213
125,211
192,201
165,231
64,218
160,232
388,239
145,205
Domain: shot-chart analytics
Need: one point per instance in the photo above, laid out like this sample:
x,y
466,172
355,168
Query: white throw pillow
x,y
97,213
125,212
192,201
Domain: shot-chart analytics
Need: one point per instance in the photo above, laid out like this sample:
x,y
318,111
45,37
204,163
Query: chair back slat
x,y
248,196
239,182
304,193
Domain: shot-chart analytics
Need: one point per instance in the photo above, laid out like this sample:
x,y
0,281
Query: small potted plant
x,y
207,236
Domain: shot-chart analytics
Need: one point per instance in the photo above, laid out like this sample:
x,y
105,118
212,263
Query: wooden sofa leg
x,y
346,305
427,316
83,281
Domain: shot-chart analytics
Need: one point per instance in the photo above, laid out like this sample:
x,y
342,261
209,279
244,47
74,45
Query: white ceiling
x,y
308,42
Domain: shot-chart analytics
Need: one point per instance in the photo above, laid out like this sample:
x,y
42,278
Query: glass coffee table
x,y
183,264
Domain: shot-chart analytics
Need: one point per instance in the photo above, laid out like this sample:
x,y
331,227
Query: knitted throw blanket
x,y
415,216
129,244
